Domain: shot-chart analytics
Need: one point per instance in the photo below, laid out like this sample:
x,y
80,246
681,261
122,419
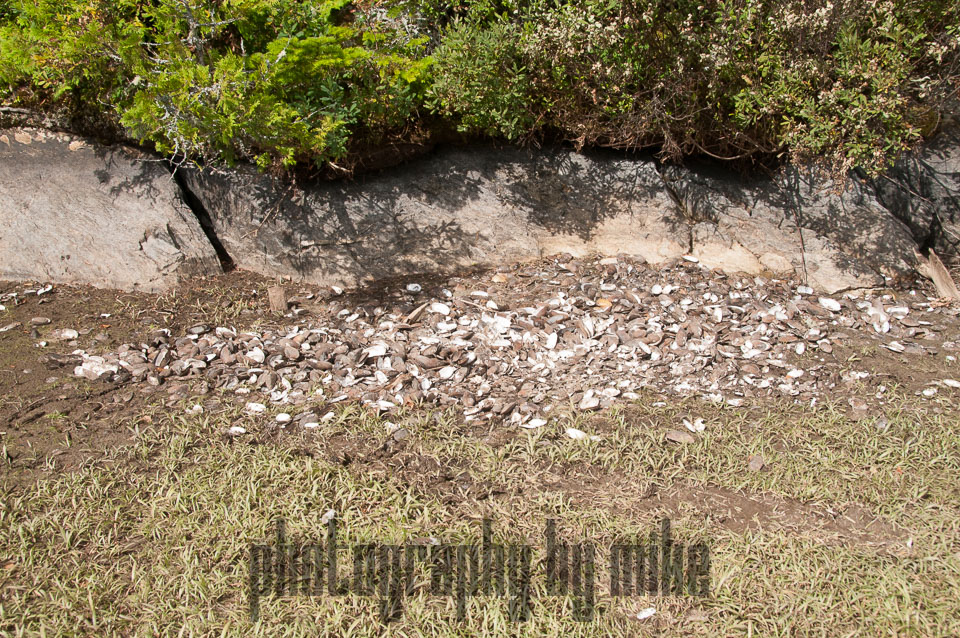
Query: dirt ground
x,y
54,420
112,493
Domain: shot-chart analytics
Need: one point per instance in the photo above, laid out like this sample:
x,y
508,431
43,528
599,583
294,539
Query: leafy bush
x,y
848,83
845,82
482,81
277,81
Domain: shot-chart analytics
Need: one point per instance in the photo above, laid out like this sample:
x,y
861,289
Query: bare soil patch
x,y
55,420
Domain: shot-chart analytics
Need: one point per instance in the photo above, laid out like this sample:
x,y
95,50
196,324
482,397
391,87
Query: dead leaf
x,y
932,268
416,313
678,436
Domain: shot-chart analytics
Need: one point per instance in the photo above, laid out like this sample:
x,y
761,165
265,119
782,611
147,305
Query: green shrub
x,y
69,48
276,81
844,82
482,81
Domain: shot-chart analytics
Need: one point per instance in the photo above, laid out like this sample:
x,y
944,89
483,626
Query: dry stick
x,y
271,213
803,246
475,305
803,251
323,244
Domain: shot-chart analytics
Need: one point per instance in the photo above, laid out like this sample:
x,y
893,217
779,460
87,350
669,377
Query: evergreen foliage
x,y
280,82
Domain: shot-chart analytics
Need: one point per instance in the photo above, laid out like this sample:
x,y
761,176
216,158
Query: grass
x,y
851,527
219,304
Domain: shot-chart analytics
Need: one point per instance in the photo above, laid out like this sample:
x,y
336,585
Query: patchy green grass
x,y
850,528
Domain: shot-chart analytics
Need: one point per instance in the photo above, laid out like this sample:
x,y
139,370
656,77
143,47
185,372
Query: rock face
x,y
835,237
74,212
482,207
455,210
923,191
